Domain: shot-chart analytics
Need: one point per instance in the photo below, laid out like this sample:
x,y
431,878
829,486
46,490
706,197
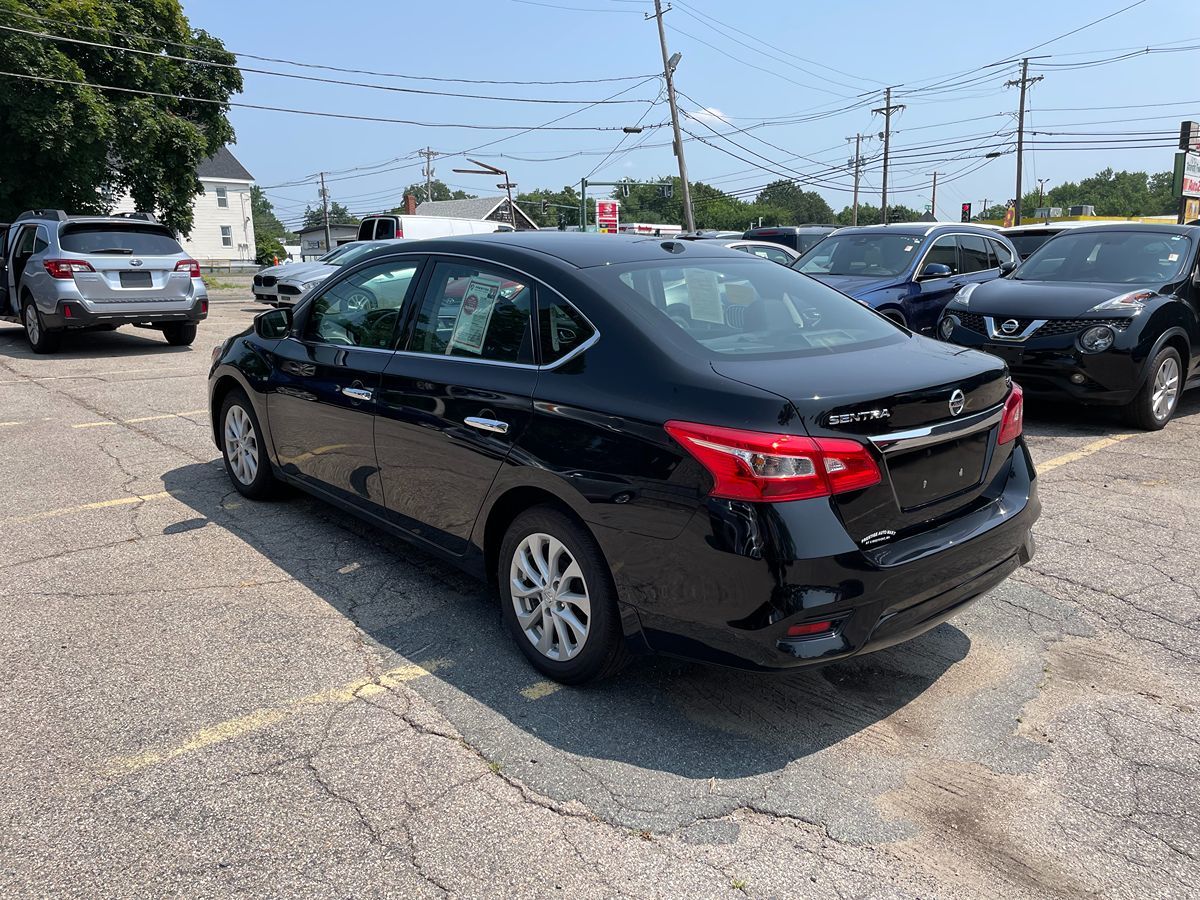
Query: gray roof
x,y
223,164
474,208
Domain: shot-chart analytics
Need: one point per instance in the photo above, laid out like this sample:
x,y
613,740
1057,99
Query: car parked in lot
x,y
1108,314
290,287
631,471
777,253
1027,238
908,271
62,273
265,286
800,238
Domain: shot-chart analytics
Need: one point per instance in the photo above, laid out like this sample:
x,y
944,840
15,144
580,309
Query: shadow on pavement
x,y
120,344
660,714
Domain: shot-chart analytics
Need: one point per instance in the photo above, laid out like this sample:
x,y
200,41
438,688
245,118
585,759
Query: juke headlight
x,y
963,297
1097,339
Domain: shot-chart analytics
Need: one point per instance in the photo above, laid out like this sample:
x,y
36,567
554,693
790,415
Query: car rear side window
x,y
362,310
973,252
475,312
1002,253
130,240
742,307
562,327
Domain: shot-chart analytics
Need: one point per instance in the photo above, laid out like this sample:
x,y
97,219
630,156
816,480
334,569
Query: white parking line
x,y
190,412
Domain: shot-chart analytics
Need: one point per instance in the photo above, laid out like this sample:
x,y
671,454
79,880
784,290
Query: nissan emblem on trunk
x,y
958,400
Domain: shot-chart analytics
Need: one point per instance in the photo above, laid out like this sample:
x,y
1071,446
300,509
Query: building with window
x,y
222,226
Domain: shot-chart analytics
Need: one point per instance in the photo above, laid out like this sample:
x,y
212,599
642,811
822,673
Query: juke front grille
x,y
1070,326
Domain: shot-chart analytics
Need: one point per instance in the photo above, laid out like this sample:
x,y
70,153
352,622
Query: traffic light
x,y
545,207
667,190
625,190
966,212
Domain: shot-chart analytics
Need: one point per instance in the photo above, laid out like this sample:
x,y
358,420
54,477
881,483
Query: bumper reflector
x,y
808,629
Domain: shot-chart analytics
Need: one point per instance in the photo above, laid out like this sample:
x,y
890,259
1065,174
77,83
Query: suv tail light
x,y
1014,415
66,268
755,465
190,265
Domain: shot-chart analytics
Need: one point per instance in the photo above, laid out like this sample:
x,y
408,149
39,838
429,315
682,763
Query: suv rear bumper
x,y
72,314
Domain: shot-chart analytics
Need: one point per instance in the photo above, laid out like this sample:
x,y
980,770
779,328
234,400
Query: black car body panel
x,y
704,577
1047,318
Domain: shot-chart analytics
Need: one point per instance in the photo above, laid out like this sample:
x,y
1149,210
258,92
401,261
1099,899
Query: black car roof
x,y
579,250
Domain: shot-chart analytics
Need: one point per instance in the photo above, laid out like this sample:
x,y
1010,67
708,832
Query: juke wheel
x,y
1156,402
245,456
557,598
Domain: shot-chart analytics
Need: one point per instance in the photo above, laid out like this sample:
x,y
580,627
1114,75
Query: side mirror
x,y
935,270
1008,266
273,324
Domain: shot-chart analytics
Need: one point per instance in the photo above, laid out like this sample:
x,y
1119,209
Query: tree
x,y
338,215
870,215
441,191
1118,194
564,206
80,147
270,234
798,207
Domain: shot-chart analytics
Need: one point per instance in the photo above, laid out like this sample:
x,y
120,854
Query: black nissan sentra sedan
x,y
645,444
1103,315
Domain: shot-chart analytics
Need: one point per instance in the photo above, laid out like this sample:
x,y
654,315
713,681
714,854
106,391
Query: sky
x,y
785,82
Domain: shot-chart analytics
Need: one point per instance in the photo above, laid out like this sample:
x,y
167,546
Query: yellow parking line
x,y
541,689
3,424
101,504
1084,451
81,375
266,716
190,412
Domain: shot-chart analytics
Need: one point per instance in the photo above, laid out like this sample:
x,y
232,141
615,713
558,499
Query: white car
x,y
292,286
266,280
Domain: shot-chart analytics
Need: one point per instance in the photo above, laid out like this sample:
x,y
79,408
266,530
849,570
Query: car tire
x,y
180,334
572,567
1153,406
243,448
40,339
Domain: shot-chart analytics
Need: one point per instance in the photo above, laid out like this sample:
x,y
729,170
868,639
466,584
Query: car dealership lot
x,y
207,695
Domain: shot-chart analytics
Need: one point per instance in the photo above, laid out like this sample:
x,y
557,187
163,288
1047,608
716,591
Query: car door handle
x,y
357,393
487,424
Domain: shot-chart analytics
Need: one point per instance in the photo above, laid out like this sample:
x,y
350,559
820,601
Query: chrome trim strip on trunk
x,y
914,438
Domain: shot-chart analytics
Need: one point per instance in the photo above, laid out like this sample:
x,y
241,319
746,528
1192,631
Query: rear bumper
x,y
72,314
728,588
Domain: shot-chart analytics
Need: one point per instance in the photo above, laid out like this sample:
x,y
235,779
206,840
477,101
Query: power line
x,y
325,67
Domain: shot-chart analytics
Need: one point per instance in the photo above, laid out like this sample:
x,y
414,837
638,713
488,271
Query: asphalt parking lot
x,y
213,697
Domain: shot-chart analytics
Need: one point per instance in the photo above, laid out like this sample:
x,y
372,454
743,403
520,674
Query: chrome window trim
x,y
915,438
430,255
989,322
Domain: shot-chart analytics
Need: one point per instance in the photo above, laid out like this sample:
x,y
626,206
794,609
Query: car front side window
x,y
362,310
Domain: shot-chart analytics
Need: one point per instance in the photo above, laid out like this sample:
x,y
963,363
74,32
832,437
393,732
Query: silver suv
x,y
62,272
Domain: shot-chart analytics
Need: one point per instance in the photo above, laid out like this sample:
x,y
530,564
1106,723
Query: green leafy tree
x,y
270,234
798,206
1115,193
564,206
870,215
80,147
338,215
441,191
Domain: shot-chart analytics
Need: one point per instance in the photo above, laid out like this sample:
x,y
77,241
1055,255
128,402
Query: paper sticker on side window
x,y
479,299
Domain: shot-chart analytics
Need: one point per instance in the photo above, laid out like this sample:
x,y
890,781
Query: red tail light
x,y
1014,415
754,465
204,307
66,268
808,629
192,267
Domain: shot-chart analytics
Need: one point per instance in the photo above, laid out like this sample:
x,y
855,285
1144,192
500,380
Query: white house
x,y
222,227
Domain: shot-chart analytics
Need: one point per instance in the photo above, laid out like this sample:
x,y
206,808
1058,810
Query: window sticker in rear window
x,y
479,299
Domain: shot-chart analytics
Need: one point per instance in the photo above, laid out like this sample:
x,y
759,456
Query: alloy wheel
x,y
241,445
550,597
32,328
1166,388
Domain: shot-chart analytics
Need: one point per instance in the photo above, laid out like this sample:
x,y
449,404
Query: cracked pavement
x,y
213,697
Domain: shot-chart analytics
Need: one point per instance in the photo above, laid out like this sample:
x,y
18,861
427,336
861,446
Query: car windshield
x,y
353,252
740,307
1108,257
119,239
865,254
806,241
1027,243
336,252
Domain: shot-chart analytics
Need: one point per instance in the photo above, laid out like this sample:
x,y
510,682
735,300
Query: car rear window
x,y
735,307
130,240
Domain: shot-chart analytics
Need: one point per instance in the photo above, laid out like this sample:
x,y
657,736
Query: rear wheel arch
x,y
504,511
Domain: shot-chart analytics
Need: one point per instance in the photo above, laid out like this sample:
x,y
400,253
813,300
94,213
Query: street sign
x,y
1189,136
1191,175
608,217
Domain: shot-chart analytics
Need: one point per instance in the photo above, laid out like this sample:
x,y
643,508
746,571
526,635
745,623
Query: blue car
x,y
910,271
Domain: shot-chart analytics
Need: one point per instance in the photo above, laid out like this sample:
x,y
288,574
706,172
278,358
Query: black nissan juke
x,y
645,444
1103,315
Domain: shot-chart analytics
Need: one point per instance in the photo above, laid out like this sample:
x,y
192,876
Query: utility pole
x,y
887,109
669,64
933,199
429,154
1042,190
325,214
1024,81
857,174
